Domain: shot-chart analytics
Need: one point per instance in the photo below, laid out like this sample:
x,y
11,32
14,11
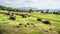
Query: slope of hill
x,y
8,26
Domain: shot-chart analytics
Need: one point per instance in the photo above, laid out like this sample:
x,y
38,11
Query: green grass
x,y
54,18
8,26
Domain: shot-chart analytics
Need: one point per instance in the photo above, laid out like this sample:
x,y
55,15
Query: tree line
x,y
30,10
14,9
9,8
48,12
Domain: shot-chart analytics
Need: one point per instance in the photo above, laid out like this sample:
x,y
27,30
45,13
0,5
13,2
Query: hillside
x,y
8,26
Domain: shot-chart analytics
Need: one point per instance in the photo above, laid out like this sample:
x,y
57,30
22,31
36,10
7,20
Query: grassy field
x,y
8,26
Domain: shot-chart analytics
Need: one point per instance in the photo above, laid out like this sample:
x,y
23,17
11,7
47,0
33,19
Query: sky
x,y
40,4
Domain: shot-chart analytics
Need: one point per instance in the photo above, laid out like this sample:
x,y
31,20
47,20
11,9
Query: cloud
x,y
41,4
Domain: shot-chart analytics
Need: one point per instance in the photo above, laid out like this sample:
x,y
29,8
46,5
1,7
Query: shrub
x,y
47,22
50,29
31,24
12,13
58,31
2,19
39,19
20,24
17,26
27,23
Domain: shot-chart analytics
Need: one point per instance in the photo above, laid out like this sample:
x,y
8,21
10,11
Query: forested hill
x,y
9,8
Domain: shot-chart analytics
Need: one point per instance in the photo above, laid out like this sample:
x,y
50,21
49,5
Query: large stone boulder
x,y
24,16
12,17
7,13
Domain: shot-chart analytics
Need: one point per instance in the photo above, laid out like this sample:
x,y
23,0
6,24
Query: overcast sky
x,y
40,4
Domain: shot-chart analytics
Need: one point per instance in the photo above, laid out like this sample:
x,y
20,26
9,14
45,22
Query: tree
x,y
58,12
47,11
42,11
10,9
30,10
55,12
